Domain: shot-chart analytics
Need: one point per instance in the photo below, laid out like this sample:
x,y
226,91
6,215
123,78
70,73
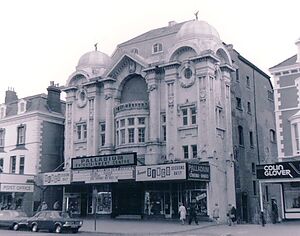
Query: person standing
x,y
233,215
193,212
216,213
229,215
182,213
56,205
44,206
274,211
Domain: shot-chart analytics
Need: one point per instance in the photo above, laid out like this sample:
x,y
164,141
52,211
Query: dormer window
x,y
157,48
2,112
135,51
21,107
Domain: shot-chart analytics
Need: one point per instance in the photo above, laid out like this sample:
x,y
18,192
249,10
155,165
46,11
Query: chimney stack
x,y
54,97
298,54
172,23
10,96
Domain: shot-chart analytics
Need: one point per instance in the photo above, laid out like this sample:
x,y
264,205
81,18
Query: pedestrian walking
x,y
193,212
216,213
182,213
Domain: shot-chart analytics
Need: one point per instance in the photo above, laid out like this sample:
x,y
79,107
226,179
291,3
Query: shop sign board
x,y
199,172
57,178
161,172
21,188
104,161
107,175
280,170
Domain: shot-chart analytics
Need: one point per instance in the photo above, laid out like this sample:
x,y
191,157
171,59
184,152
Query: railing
x,y
132,105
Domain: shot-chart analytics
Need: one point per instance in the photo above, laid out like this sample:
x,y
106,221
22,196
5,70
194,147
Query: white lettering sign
x,y
276,170
24,188
161,172
57,178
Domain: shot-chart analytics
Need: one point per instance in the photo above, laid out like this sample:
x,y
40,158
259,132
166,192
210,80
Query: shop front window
x,y
73,205
194,193
157,203
292,196
104,203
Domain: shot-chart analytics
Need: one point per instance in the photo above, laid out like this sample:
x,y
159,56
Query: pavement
x,y
174,227
140,227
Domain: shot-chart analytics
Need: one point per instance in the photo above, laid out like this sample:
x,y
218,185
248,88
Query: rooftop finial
x,y
95,45
196,15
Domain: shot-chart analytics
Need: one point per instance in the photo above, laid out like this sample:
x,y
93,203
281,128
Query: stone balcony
x,y
132,106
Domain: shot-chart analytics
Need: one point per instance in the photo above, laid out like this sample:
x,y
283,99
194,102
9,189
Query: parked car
x,y
54,221
11,218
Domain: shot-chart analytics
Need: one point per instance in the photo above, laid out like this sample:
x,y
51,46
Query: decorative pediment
x,y
130,62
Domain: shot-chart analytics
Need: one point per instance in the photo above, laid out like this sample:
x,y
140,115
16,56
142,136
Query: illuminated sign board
x,y
199,172
161,172
283,170
57,178
104,161
22,188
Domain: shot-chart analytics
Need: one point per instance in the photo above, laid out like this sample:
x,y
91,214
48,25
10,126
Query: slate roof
x,y
33,103
155,33
290,61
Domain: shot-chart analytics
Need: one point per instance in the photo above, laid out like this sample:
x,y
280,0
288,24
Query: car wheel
x,y
15,227
74,231
58,229
34,228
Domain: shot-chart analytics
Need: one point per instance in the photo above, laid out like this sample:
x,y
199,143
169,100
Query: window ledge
x,y
187,127
80,141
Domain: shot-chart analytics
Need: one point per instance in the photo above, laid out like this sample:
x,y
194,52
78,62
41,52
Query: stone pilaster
x,y
108,95
171,112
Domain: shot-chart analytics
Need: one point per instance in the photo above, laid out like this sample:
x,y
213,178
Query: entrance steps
x,y
129,217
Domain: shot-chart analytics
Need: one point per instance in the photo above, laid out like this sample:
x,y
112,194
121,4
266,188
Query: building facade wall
x,y
25,154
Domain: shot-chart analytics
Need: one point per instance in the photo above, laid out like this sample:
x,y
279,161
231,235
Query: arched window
x,y
157,48
241,135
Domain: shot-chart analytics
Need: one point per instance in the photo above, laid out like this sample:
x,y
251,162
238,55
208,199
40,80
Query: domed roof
x,y
197,29
94,59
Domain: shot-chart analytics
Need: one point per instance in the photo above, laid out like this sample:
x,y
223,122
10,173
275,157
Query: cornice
x,y
291,69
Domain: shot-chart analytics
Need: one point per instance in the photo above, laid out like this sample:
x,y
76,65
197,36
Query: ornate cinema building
x,y
151,126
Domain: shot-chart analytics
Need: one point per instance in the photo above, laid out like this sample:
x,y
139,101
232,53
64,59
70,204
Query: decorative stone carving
x,y
131,66
81,96
152,87
108,96
187,75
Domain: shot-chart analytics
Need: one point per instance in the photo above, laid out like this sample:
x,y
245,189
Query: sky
x,y
42,40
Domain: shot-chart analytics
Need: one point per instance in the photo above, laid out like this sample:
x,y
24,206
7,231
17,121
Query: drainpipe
x,y
256,128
